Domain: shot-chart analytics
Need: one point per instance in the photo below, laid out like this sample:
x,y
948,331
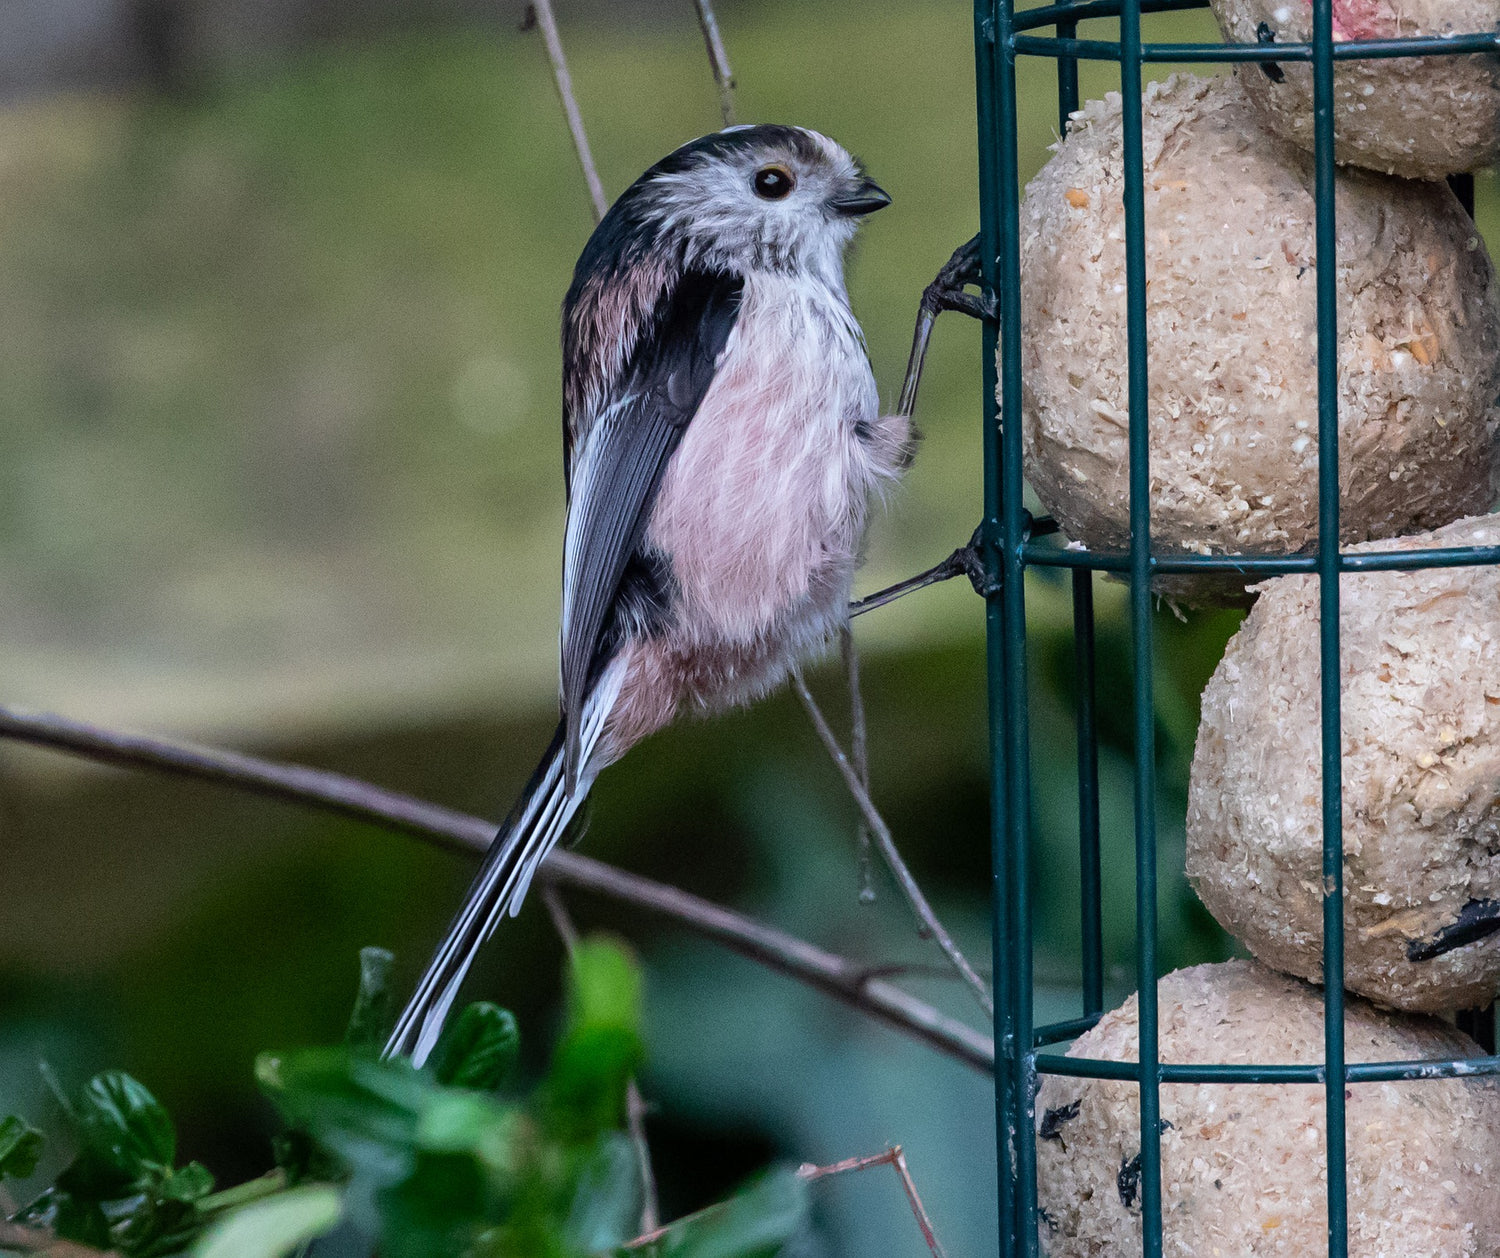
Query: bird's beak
x,y
863,196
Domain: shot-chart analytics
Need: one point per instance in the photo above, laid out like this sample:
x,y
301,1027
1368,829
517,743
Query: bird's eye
x,y
773,182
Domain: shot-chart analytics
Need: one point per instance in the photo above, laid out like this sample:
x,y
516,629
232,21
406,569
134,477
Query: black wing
x,y
617,469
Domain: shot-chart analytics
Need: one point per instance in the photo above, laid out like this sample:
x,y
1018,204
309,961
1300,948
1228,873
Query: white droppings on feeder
x,y
1420,117
1421,776
1244,1166
1231,322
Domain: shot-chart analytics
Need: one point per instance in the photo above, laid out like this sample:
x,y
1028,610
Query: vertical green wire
x,y
991,178
1328,626
1090,874
1140,627
1004,532
1090,877
1067,78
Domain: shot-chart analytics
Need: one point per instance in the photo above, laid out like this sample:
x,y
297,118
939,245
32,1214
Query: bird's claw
x,y
947,291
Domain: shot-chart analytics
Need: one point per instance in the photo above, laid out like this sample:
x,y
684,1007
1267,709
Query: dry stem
x,y
562,920
927,919
892,1157
635,1117
718,59
547,24
859,752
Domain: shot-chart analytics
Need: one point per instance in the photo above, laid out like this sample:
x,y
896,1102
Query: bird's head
x,y
757,198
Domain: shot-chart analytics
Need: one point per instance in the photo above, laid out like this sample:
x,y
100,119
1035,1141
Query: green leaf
x,y
188,1184
338,1095
478,1049
468,1151
460,1122
122,1125
586,1086
147,1225
20,1146
273,1227
755,1223
437,1211
72,1217
371,1022
606,1207
585,1091
120,1193
138,1224
606,987
364,1111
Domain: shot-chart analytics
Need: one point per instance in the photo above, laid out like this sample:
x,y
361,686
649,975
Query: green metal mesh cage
x,y
1011,541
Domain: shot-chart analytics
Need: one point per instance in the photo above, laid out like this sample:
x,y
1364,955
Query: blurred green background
x,y
280,413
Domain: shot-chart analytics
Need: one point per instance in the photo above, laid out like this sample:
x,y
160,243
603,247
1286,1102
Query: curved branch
x,y
845,980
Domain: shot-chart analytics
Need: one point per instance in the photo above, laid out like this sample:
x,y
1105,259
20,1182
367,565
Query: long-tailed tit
x,y
722,439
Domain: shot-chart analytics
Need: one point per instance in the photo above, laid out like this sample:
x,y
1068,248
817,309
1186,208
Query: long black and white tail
x,y
532,830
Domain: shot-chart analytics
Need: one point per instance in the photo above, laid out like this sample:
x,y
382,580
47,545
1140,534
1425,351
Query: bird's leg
x,y
963,562
946,292
1478,919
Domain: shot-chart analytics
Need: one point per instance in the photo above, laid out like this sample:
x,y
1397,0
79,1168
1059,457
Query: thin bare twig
x,y
547,24
859,752
635,1118
635,1103
927,919
562,921
938,970
892,1157
811,1173
718,59
833,975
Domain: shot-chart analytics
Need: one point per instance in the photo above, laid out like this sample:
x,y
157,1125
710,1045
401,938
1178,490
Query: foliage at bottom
x,y
450,1161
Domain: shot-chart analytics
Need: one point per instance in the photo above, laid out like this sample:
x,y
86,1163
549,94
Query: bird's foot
x,y
947,292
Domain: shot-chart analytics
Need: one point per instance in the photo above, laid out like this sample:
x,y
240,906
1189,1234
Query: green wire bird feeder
x,y
1010,542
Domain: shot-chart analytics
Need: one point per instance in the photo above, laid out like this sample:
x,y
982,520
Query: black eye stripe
x,y
772,183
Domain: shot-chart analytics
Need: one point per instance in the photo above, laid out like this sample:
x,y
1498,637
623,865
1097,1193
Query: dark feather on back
x,y
664,382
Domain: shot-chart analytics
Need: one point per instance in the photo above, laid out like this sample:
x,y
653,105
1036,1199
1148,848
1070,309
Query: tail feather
x,y
532,830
